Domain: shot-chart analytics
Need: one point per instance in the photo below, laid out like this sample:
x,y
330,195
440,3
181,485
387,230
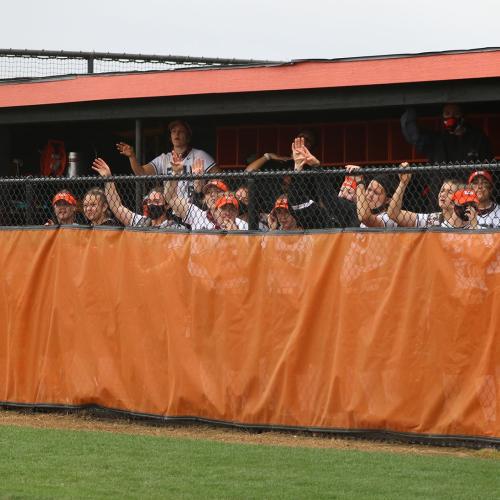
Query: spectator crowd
x,y
460,198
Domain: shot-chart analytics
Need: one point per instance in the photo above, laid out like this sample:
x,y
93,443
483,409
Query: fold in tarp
x,y
362,330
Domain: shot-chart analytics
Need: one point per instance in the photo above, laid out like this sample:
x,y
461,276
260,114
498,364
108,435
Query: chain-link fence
x,y
451,196
39,64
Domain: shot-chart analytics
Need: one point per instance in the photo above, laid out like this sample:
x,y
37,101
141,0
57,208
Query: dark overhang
x,y
331,99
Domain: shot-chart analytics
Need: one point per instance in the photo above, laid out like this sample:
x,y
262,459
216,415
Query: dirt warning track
x,y
88,421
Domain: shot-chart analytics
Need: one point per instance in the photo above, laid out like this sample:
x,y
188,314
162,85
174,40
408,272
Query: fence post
x,y
139,187
90,65
253,214
29,204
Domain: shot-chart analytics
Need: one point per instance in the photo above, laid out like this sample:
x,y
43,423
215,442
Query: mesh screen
x,y
459,196
25,64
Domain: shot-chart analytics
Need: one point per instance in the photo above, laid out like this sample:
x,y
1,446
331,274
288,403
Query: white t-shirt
x,y
198,220
445,223
162,166
429,220
385,219
490,217
436,220
142,221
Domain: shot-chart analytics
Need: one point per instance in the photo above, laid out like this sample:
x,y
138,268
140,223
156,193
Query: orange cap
x,y
463,196
227,199
67,197
349,182
218,184
282,203
483,173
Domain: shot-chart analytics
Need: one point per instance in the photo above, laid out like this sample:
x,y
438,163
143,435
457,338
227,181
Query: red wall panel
x,y
247,141
367,142
333,146
377,137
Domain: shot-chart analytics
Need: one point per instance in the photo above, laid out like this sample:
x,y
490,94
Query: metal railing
x,y
28,64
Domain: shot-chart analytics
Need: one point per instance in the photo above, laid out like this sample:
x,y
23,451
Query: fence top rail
x,y
64,54
321,171
445,196
27,64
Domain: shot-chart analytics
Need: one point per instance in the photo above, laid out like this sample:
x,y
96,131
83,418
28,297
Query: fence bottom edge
x,y
388,435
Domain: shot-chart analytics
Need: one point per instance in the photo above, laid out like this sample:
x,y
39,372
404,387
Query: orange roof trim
x,y
295,76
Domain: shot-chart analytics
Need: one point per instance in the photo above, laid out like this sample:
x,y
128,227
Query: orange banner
x,y
361,330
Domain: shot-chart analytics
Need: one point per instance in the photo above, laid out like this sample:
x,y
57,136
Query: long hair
x,y
99,193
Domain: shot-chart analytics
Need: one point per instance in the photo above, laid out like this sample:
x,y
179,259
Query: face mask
x,y
156,211
451,124
460,210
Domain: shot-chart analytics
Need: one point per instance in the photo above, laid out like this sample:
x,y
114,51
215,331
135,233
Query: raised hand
x,y
310,159
177,163
101,167
355,171
404,178
125,149
198,167
303,155
298,154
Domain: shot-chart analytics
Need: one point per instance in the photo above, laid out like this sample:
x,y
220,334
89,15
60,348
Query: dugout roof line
x,y
298,75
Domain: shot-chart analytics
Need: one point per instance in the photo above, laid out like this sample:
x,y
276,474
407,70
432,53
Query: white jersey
x,y
198,220
446,224
489,217
162,166
437,220
429,220
142,221
385,219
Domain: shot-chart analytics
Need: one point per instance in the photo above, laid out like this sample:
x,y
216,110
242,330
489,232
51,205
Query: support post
x,y
29,204
139,186
253,214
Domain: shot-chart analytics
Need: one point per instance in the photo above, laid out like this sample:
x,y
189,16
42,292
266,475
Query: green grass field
x,y
81,464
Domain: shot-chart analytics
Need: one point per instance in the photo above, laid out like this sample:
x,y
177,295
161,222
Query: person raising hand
x,y
180,138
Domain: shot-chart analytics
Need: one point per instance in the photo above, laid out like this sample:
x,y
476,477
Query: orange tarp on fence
x,y
362,330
